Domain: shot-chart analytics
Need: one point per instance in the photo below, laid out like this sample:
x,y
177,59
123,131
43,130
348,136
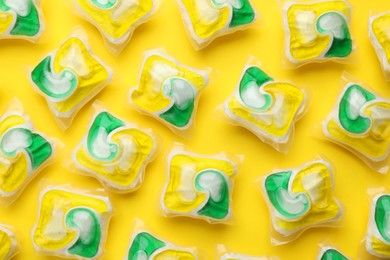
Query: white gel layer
x,y
74,59
85,224
332,23
17,139
290,204
180,90
55,228
160,72
100,146
252,96
212,183
208,12
305,22
186,190
356,101
56,84
21,7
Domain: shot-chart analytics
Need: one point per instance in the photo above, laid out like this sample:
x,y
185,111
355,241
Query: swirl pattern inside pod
x,y
330,253
199,187
317,31
301,198
378,237
69,78
20,19
169,91
266,107
380,38
23,153
361,122
208,19
114,152
116,19
145,245
8,243
71,224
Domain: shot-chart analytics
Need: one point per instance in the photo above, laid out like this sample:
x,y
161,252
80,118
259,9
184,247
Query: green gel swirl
x,y
215,184
28,25
55,86
183,95
97,143
250,85
382,212
243,12
87,222
349,109
36,146
332,254
342,42
143,246
104,4
289,206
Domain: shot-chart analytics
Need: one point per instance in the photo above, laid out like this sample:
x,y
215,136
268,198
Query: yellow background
x,y
250,232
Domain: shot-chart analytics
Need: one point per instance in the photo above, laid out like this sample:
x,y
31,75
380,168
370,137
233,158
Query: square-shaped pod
x,y
317,31
360,122
268,108
114,151
299,199
69,77
71,224
168,91
199,186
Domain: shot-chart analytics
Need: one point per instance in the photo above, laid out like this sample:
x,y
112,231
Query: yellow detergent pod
x,y
360,122
9,245
69,78
317,31
115,152
116,19
198,186
208,19
71,224
301,198
379,28
377,239
146,245
168,91
267,108
23,153
20,19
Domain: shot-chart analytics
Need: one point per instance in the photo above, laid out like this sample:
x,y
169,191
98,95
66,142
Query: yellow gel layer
x,y
149,96
302,48
293,99
205,28
172,198
381,28
58,201
379,246
144,146
6,20
5,245
367,144
117,22
13,171
174,254
323,206
96,75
